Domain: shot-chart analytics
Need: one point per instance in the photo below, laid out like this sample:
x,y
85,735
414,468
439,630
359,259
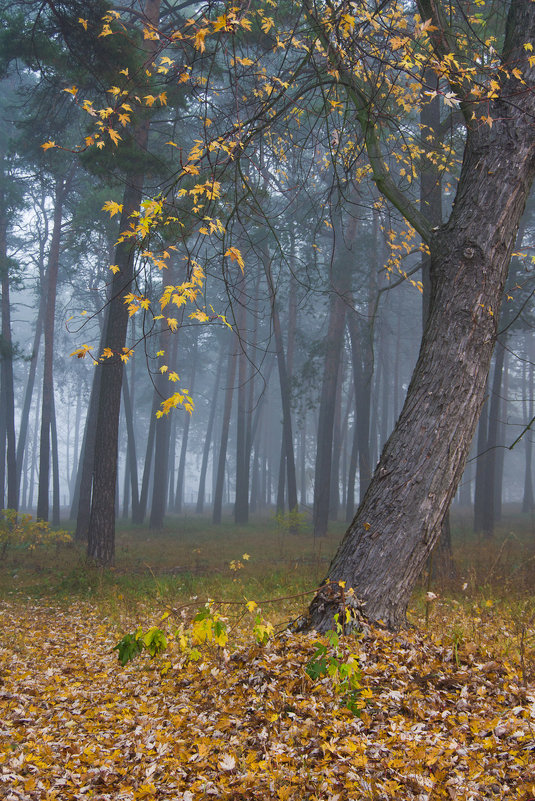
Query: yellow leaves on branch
x,y
176,399
82,351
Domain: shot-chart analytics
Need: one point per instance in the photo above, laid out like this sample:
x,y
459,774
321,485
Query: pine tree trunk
x,y
7,432
48,361
131,451
208,439
181,473
55,465
101,539
241,503
284,382
322,479
147,466
222,458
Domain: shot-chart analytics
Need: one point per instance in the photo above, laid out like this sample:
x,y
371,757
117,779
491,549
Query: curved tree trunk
x,y
400,517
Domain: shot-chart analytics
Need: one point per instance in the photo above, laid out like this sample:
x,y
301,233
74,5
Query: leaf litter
x,y
247,722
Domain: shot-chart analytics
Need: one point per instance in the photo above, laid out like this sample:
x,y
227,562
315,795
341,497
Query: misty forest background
x,y
296,396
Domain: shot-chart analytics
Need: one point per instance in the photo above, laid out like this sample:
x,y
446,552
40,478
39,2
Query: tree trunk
x,y
322,479
181,473
131,450
147,465
101,540
7,431
208,440
50,311
81,502
527,396
241,503
284,382
55,465
334,491
229,392
400,518
481,467
489,516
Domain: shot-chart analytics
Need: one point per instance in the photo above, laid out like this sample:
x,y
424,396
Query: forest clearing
x,y
445,708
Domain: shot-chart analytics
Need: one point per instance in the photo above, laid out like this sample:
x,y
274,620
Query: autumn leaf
x,y
112,207
114,136
235,255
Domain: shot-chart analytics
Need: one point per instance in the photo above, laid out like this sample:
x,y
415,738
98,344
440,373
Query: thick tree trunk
x,y
401,515
101,539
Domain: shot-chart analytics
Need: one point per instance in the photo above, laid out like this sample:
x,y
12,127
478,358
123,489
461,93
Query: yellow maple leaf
x,y
48,145
114,136
82,352
111,206
115,269
235,255
83,23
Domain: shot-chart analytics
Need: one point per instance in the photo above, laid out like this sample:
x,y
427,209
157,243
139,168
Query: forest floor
x,y
444,709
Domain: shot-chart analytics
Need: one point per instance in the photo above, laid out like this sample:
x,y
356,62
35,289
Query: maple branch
x,y
444,43
362,104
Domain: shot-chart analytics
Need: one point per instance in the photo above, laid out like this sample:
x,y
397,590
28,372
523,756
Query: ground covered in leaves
x,y
443,718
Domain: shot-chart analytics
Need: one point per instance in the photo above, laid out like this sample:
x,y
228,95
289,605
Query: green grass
x,y
487,603
191,557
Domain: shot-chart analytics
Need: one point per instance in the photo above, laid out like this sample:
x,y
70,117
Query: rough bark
x,y
101,535
400,518
101,539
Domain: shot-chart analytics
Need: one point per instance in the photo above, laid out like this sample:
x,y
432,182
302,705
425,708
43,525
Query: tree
x,y
400,517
